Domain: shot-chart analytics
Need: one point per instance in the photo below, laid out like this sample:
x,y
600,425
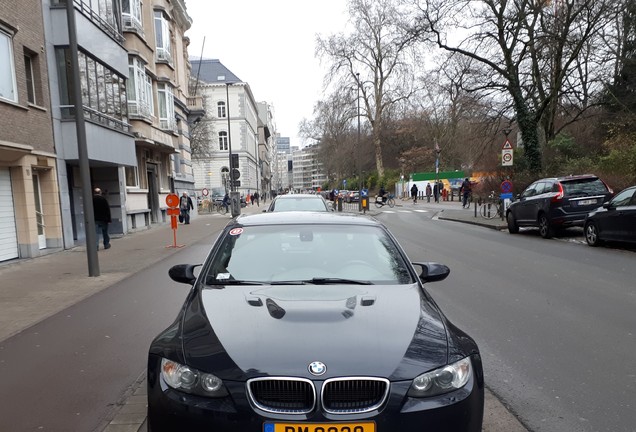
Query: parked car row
x,y
556,203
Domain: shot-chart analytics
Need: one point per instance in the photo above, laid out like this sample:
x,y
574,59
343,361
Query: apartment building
x,y
30,221
160,109
266,145
103,69
307,170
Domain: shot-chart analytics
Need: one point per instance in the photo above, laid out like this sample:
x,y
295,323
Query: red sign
x,y
172,200
173,211
506,146
506,186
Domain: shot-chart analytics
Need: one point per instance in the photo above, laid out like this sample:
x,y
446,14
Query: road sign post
x,y
172,201
507,154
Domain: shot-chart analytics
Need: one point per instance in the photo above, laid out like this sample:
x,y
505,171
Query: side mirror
x,y
432,272
183,273
606,205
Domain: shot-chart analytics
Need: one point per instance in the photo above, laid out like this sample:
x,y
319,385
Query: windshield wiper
x,y
233,282
325,281
322,281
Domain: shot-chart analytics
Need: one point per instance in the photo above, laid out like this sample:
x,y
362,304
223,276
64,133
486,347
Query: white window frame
x,y
133,17
221,109
162,41
7,69
141,84
223,140
166,119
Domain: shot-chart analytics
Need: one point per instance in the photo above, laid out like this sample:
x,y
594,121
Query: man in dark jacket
x,y
185,205
101,212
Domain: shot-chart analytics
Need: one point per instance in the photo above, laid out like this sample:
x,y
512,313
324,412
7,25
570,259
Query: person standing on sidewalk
x,y
414,191
185,205
429,192
101,213
255,197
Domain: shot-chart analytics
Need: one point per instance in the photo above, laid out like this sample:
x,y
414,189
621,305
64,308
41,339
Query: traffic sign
x,y
506,145
172,200
173,211
507,157
236,174
205,192
506,186
237,183
506,195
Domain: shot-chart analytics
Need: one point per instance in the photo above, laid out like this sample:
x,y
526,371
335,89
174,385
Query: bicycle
x,y
219,207
379,202
491,208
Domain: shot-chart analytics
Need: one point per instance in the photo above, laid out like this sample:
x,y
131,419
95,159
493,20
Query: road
x,y
555,319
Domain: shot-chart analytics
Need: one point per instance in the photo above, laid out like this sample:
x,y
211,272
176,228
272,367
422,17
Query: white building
x,y
228,102
307,170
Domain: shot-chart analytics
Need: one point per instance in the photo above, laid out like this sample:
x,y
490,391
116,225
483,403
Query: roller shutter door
x,y
8,237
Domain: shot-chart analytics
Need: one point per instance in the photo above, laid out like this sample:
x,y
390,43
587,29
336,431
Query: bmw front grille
x,y
298,396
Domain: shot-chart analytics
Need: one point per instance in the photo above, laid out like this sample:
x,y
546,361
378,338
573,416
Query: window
x,y
162,37
221,109
8,87
30,79
131,12
131,176
223,141
103,90
139,89
166,107
105,13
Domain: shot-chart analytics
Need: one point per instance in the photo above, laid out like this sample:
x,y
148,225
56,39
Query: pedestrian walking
x,y
185,205
255,197
436,192
465,190
429,191
101,213
414,191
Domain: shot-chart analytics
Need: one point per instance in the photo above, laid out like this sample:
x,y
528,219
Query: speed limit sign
x,y
204,192
506,157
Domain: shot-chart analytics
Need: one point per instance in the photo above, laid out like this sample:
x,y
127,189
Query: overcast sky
x,y
270,45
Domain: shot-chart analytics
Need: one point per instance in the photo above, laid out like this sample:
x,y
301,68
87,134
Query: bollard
x,y
339,204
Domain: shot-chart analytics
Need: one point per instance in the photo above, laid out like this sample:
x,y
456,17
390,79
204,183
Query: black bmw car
x,y
313,322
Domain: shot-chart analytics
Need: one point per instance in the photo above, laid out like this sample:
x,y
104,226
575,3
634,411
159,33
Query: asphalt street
x,y
86,338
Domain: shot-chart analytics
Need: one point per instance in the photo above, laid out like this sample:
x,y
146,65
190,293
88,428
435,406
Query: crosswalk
x,y
404,211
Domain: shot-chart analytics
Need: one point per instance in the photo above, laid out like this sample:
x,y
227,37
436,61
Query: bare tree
x,y
543,57
378,56
332,128
201,134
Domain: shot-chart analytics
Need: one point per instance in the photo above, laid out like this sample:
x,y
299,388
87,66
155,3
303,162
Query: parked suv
x,y
559,202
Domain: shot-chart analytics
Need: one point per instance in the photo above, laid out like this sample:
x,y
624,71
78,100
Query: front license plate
x,y
587,202
319,427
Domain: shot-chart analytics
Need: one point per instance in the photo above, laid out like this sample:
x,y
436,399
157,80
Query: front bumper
x,y
171,410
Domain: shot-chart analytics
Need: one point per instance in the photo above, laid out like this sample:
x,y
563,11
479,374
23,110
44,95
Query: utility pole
x,y
82,150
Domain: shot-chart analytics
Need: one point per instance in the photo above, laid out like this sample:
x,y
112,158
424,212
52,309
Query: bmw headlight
x,y
190,380
442,380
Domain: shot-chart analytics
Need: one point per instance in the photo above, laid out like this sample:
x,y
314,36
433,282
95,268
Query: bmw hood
x,y
240,332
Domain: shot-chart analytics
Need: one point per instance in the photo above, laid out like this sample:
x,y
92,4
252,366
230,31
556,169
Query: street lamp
x,y
234,195
359,150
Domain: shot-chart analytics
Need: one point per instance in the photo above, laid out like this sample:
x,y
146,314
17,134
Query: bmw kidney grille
x,y
298,396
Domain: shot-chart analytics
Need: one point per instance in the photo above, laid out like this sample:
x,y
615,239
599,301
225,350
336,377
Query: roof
x,y
211,70
303,217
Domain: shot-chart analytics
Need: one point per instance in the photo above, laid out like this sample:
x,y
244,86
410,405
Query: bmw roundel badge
x,y
317,368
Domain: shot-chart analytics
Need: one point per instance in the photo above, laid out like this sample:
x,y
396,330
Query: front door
x,y
39,215
153,195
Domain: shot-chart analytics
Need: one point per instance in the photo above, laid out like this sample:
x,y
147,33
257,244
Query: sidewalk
x,y
35,289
